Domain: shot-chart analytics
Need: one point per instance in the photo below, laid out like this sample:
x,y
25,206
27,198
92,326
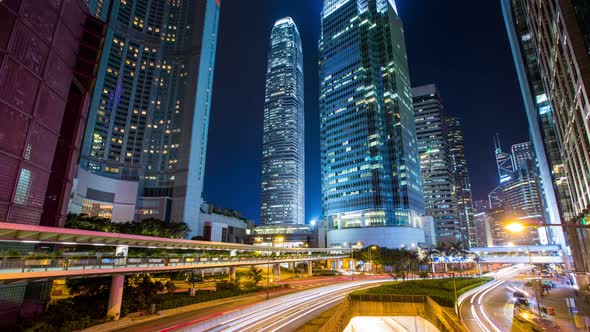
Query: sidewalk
x,y
557,300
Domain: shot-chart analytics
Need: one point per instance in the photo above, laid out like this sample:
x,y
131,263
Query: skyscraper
x,y
462,182
438,179
482,220
371,182
49,51
554,76
283,147
519,193
524,156
145,143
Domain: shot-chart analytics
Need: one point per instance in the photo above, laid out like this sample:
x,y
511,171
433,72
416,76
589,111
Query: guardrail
x,y
37,264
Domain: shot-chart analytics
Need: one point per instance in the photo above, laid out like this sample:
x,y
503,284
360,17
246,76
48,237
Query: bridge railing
x,y
37,264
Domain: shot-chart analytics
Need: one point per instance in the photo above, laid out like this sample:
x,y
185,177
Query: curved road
x,y
491,309
285,313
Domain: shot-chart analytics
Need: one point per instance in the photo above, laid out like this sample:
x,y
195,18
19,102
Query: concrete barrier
x,y
398,305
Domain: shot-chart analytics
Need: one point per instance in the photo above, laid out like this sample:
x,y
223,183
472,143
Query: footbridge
x,y
539,254
180,255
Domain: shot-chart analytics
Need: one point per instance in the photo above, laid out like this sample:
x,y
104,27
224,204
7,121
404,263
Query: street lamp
x,y
268,277
370,261
519,226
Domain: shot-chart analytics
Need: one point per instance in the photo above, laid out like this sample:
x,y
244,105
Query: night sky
x,y
460,45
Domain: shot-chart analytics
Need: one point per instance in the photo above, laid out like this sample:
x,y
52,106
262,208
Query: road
x,y
491,309
285,313
178,321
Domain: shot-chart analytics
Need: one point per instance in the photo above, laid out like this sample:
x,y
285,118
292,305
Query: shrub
x,y
440,290
226,285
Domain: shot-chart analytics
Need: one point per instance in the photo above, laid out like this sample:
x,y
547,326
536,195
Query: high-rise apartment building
x,y
49,51
371,181
144,147
462,182
550,44
283,147
436,164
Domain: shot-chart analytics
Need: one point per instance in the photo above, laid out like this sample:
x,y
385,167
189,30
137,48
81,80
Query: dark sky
x,y
460,45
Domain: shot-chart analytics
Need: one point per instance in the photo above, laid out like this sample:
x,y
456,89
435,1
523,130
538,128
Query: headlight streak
x,y
251,319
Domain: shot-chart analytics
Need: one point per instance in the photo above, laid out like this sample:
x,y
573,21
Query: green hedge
x,y
440,290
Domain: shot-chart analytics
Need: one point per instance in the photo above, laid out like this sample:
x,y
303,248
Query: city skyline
x,y
132,170
244,127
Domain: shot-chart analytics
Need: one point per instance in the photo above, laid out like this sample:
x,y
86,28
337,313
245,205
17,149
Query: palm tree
x,y
429,257
457,248
443,251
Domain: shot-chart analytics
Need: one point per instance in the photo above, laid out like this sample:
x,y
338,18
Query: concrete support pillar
x,y
232,273
277,271
116,297
309,268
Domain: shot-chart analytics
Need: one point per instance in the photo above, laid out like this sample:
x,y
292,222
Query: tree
x,y
89,286
443,251
147,227
429,257
255,275
457,249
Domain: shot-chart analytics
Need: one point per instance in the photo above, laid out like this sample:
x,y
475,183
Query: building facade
x,y
49,51
482,224
518,194
550,45
286,236
144,146
283,146
219,224
436,164
371,181
462,182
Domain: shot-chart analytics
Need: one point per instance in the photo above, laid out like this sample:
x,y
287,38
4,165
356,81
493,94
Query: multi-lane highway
x,y
285,313
491,309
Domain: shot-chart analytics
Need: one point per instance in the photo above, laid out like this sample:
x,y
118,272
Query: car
x,y
520,302
519,295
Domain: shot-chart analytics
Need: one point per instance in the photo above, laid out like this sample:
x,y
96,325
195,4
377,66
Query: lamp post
x,y
352,260
370,261
268,276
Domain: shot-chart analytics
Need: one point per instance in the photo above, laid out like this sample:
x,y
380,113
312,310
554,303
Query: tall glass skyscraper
x,y
438,177
465,207
144,146
283,147
371,182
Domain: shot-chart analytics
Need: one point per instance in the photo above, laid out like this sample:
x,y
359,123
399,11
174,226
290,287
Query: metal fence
x,y
37,264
